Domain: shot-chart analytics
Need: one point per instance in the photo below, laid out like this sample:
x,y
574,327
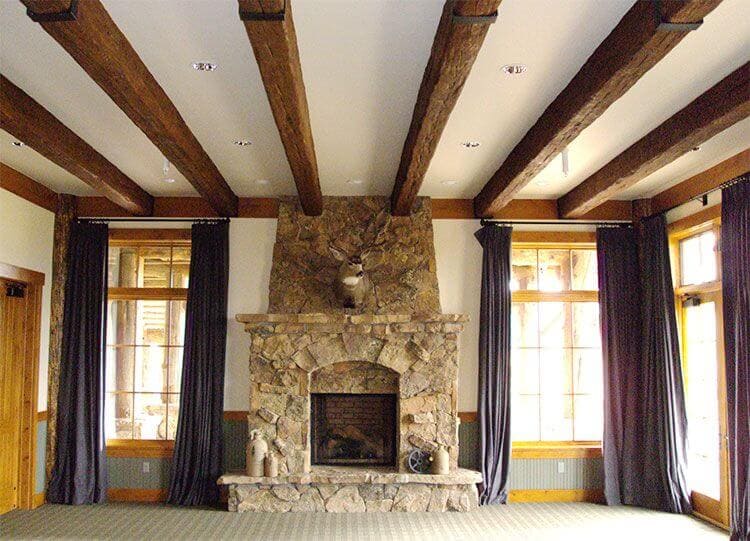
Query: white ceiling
x,y
363,63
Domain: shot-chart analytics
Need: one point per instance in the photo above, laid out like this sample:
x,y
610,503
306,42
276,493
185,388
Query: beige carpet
x,y
544,521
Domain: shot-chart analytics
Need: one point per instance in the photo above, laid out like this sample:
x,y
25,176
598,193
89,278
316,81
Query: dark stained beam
x,y
27,188
31,123
460,34
270,28
638,43
703,182
101,49
721,106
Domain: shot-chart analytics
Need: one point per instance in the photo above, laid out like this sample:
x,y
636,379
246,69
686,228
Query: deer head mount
x,y
352,283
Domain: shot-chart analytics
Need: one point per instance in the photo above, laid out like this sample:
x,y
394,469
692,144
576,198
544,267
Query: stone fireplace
x,y
343,396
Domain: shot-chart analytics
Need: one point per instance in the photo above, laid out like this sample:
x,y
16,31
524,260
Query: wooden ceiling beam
x,y
102,50
32,124
270,29
702,183
721,106
27,188
460,34
638,42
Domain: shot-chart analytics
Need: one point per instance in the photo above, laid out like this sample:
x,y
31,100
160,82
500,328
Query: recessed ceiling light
x,y
262,181
355,181
18,144
514,69
168,180
204,66
242,143
471,144
449,182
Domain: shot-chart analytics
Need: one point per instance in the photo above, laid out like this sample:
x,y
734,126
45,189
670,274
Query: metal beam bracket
x,y
474,19
255,16
68,15
667,26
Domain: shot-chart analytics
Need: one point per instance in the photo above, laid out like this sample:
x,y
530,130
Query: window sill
x,y
140,448
563,449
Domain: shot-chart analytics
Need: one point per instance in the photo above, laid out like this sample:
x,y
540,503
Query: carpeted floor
x,y
544,521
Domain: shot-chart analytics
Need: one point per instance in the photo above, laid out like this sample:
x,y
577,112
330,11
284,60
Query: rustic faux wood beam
x,y
460,34
31,123
639,41
723,105
27,188
703,182
102,50
270,28
179,207
528,209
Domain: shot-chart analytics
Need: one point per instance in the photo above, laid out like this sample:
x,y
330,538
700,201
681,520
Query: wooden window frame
x,y
143,448
558,240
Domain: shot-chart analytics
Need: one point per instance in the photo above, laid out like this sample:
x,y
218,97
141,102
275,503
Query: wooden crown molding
x,y
28,276
270,29
179,207
637,43
459,37
103,51
720,107
527,209
27,188
31,123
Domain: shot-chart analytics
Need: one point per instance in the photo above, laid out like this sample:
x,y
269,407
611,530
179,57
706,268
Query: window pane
x,y
155,264
174,413
589,411
584,270
123,266
524,425
698,259
555,324
120,368
586,325
150,411
180,266
524,371
177,322
524,270
175,370
152,322
121,316
524,324
557,418
587,371
119,416
150,369
556,371
554,270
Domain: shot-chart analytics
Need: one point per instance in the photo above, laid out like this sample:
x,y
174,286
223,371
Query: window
x,y
147,295
698,259
556,359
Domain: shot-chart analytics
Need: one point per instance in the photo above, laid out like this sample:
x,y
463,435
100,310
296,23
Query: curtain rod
x,y
190,220
488,221
703,196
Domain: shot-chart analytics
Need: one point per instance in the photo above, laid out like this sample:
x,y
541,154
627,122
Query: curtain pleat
x,y
494,363
79,475
197,460
735,265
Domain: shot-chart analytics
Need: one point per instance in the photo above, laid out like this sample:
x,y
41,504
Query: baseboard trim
x,y
136,494
38,500
556,495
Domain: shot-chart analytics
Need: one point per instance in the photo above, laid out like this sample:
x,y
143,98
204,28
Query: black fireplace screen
x,y
353,429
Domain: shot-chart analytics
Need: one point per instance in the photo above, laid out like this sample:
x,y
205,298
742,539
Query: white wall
x,y
26,238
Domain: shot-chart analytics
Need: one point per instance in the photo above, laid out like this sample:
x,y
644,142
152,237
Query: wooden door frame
x,y
34,282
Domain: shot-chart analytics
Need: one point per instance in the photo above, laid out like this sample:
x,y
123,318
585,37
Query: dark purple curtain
x,y
735,276
494,363
197,460
620,319
79,475
663,421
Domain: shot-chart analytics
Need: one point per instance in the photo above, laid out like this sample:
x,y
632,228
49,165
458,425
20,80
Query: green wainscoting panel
x,y
535,473
40,472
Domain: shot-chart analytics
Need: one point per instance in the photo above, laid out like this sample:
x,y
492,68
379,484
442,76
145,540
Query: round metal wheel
x,y
419,461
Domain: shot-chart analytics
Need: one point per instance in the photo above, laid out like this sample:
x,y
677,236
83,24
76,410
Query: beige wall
x,y
26,235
